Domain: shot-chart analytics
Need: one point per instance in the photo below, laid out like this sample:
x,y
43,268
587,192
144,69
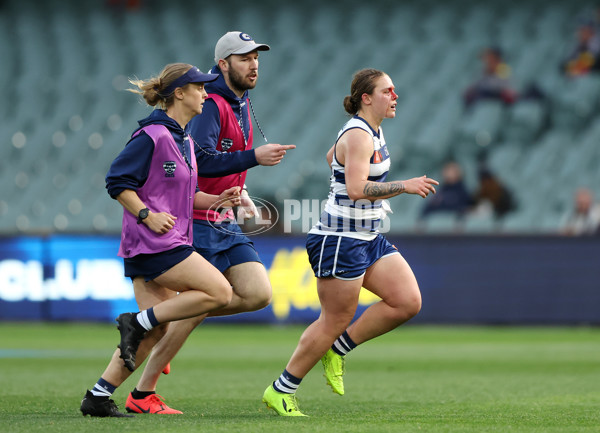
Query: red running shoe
x,y
151,404
167,369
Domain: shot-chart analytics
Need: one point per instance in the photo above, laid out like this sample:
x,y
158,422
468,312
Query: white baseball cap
x,y
236,43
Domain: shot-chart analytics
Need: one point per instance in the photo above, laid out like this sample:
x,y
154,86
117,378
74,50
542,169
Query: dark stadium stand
x,y
65,65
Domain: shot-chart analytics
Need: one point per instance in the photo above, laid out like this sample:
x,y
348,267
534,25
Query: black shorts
x,y
151,266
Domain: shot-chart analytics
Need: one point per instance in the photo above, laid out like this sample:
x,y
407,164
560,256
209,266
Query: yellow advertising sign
x,y
294,284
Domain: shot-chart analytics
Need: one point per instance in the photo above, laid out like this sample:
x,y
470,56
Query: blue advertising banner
x,y
493,280
62,278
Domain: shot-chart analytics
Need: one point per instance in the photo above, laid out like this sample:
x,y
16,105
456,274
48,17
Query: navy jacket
x,y
204,129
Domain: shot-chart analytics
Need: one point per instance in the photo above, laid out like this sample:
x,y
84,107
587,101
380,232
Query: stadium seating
x,y
66,115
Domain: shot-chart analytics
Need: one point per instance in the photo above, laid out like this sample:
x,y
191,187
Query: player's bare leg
x,y
339,300
392,279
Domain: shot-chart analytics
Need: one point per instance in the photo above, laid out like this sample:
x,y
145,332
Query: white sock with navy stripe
x,y
103,388
343,344
147,319
287,383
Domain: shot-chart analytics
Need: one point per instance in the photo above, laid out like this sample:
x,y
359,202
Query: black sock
x,y
139,395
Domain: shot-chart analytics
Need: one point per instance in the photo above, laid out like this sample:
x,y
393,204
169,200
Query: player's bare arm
x,y
329,156
419,185
388,189
354,150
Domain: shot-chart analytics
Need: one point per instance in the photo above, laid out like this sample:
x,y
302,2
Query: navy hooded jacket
x,y
204,129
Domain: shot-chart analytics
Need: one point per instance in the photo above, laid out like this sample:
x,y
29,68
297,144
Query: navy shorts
x,y
224,245
343,257
151,266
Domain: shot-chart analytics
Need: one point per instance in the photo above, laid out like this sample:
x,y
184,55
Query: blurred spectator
x,y
452,195
584,218
595,18
125,4
590,15
492,197
585,55
494,82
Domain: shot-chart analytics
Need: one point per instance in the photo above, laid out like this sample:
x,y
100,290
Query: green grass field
x,y
415,379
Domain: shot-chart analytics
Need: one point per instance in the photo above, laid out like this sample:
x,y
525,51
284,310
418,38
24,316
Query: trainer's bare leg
x,y
204,288
251,292
147,294
251,289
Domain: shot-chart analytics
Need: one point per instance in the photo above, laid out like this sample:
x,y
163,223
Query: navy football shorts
x,y
224,245
343,257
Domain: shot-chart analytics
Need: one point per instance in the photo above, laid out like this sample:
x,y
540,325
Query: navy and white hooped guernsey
x,y
345,217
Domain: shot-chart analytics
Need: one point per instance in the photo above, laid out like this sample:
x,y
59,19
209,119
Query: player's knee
x,y
336,324
223,296
261,299
414,306
264,302
409,308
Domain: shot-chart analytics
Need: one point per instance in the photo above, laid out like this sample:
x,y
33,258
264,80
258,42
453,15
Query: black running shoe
x,y
93,405
132,334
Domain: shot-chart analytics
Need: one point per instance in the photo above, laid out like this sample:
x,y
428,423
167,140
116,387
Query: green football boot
x,y
283,404
334,366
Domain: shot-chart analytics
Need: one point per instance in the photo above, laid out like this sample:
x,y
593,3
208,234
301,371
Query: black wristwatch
x,y
142,215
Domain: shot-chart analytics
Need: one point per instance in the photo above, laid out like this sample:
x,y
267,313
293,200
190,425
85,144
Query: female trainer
x,y
155,179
